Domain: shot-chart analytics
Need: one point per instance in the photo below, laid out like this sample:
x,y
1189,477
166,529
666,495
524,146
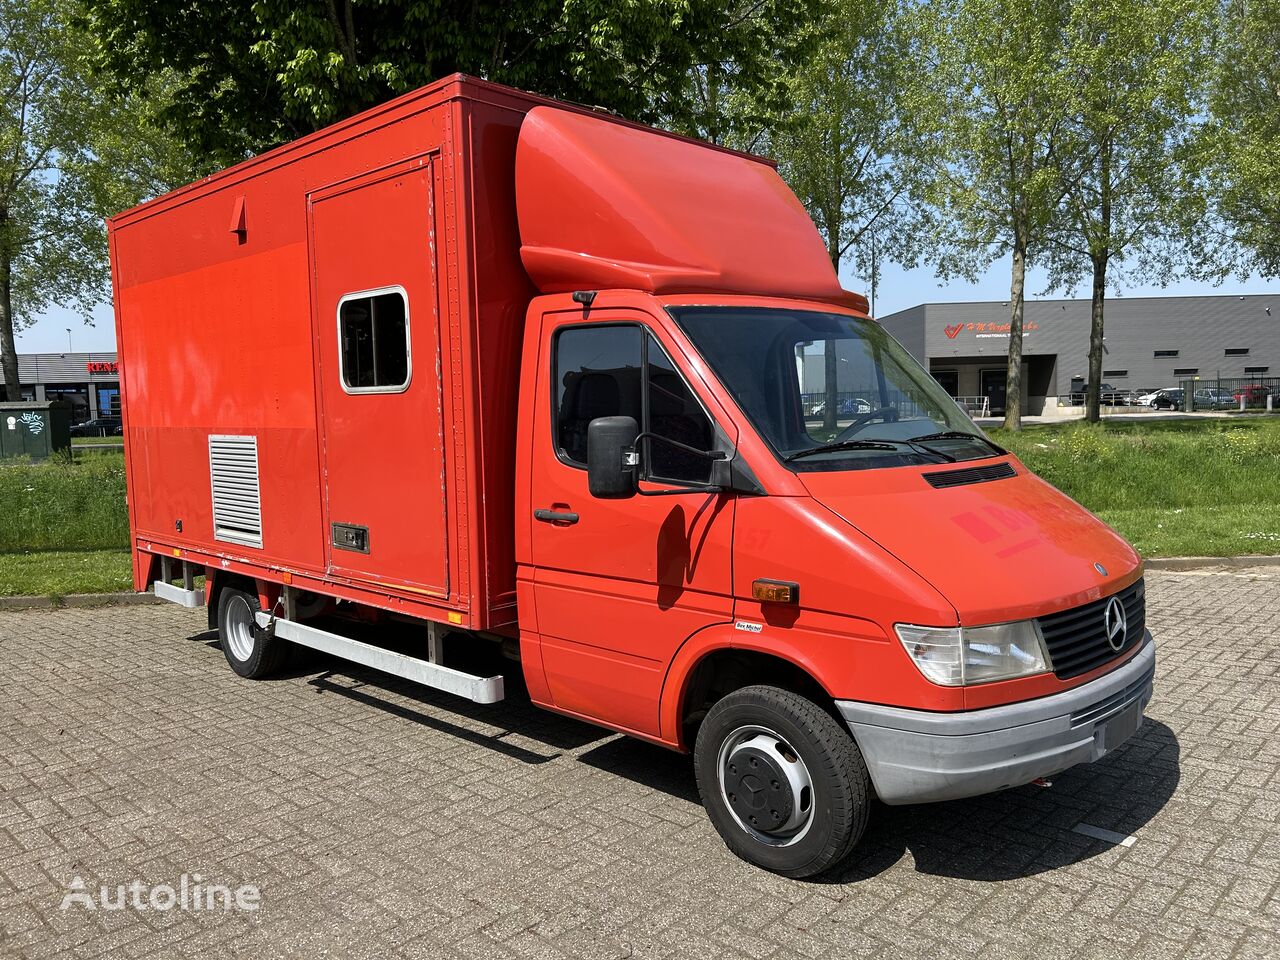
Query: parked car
x,y
1171,399
846,407
1254,394
1214,398
99,427
1145,397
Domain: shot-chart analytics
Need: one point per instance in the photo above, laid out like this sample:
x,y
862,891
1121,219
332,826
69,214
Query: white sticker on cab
x,y
748,626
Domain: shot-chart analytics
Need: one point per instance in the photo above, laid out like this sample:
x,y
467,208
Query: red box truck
x,y
524,374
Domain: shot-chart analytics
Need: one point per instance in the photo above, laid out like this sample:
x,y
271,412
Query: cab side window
x,y
597,374
674,413
621,370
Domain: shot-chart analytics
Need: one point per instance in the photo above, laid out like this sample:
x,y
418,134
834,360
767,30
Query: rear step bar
x,y
184,598
478,689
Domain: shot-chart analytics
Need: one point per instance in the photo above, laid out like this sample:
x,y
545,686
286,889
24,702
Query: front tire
x,y
783,783
249,649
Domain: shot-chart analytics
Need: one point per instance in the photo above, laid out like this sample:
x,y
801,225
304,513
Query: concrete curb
x,y
1209,563
78,600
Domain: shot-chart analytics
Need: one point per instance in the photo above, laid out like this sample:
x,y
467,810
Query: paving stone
x,y
377,820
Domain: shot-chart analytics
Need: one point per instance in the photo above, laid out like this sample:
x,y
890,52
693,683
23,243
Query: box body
x,y
229,299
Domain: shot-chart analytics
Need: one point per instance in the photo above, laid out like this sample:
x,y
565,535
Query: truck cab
x,y
700,551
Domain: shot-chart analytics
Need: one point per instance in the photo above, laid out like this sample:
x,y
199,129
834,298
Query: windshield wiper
x,y
962,435
868,444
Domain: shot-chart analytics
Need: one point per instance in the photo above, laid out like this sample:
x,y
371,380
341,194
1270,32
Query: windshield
x,y
829,391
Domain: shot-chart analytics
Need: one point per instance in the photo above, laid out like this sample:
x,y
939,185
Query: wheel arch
x,y
215,582
716,661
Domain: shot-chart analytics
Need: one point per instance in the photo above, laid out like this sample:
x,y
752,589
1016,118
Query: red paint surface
x,y
603,205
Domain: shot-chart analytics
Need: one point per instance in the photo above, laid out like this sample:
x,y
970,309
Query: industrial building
x,y
1150,342
90,382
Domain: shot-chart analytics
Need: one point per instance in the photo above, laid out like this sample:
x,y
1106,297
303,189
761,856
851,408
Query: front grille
x,y
940,479
1077,638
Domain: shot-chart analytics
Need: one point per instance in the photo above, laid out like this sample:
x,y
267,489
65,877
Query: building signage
x,y
102,366
952,330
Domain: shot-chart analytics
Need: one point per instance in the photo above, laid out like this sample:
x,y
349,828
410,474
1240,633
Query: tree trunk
x,y
1093,394
8,350
1100,254
1017,293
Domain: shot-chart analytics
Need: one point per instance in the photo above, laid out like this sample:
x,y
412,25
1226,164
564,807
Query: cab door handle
x,y
555,516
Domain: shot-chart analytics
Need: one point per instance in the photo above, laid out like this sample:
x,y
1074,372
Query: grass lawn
x,y
1206,487
55,573
64,504
64,528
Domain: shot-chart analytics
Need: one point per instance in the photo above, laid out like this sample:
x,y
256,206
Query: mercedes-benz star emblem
x,y
1113,622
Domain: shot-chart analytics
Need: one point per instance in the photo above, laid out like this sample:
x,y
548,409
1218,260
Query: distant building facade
x,y
1150,342
90,382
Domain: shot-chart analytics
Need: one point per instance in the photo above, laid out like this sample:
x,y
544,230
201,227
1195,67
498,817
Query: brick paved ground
x,y
378,822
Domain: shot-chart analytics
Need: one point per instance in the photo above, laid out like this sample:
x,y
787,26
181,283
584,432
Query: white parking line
x,y
1110,836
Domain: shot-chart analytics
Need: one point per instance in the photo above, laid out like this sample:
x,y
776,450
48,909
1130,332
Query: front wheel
x,y
784,784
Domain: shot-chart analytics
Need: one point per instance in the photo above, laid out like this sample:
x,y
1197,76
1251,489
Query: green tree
x,y
988,110
69,155
1243,150
839,143
1129,160
257,75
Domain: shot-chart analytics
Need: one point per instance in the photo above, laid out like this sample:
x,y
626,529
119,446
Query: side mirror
x,y
611,457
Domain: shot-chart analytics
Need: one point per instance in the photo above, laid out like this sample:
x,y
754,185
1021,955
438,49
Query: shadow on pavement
x,y
1017,833
1027,830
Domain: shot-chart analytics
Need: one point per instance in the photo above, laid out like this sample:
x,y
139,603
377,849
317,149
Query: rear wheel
x,y
783,783
249,649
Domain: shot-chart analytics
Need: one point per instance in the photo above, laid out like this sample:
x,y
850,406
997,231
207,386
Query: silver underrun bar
x,y
184,598
477,689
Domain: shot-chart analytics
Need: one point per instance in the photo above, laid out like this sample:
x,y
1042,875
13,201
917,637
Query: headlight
x,y
955,656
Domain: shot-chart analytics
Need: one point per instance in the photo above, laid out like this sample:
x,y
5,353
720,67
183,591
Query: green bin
x,y
34,428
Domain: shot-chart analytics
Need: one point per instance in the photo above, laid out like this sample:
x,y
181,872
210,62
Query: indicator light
x,y
775,591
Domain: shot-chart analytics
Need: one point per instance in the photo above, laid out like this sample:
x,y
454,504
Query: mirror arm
x,y
683,491
705,454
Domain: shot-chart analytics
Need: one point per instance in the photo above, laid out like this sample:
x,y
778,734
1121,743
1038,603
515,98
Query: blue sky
x,y
898,290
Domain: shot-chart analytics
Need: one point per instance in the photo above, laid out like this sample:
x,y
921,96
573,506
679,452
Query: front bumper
x,y
915,756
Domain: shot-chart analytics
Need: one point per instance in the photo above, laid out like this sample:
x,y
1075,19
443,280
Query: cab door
x,y
378,352
620,584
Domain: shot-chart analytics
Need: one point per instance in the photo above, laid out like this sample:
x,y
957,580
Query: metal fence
x,y
975,406
1231,393
854,402
1108,398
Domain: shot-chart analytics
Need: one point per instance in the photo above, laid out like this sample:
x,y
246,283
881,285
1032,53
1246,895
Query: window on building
x,y
75,394
1255,371
621,370
949,380
1186,371
1236,352
373,341
1165,353
1114,374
